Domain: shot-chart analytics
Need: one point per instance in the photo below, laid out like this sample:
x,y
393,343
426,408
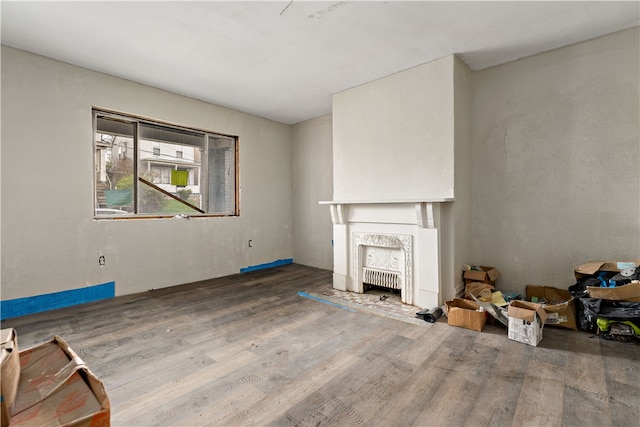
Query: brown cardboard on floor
x,y
10,371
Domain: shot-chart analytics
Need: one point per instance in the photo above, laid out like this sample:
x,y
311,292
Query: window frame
x,y
201,179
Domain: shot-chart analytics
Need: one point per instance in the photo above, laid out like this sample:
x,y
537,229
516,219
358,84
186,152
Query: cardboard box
x,y
10,371
629,292
478,289
43,368
78,401
485,275
560,306
526,322
464,313
591,268
56,388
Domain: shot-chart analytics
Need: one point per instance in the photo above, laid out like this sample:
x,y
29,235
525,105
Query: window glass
x,y
153,169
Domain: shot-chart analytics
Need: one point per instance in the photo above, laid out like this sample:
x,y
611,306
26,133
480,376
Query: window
x,y
154,169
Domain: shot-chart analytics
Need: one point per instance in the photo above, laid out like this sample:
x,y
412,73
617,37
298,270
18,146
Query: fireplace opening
x,y
383,293
384,283
382,264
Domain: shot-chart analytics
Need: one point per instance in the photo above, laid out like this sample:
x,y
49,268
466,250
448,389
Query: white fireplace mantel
x,y
423,207
359,223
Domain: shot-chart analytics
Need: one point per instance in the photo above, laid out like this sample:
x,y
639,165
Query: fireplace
x,y
393,244
383,260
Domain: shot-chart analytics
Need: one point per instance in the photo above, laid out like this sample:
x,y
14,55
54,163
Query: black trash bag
x,y
586,319
590,309
579,290
430,315
619,320
612,310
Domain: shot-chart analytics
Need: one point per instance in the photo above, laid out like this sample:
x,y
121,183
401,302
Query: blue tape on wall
x,y
277,263
36,304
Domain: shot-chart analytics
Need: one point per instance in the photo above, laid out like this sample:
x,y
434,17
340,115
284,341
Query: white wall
x,y
50,240
397,138
554,173
312,167
393,137
455,235
556,151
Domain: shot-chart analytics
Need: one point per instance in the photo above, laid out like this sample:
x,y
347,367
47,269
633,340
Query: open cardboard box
x,y
526,322
465,314
10,371
560,306
590,268
79,400
55,388
629,292
485,275
43,368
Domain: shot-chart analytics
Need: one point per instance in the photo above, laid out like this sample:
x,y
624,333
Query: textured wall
x,y
311,147
50,240
556,150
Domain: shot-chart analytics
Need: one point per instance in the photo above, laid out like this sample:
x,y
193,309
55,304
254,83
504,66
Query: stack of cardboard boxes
x,y
49,385
544,305
466,313
525,320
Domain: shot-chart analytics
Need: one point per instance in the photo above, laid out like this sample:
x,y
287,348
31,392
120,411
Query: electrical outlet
x,y
101,260
250,243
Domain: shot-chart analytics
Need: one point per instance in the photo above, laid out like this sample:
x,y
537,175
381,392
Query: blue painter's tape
x,y
277,263
315,298
36,304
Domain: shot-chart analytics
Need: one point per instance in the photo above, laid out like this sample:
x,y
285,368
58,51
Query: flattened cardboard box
x,y
629,292
462,313
526,322
590,268
486,275
43,368
79,401
10,371
56,388
479,289
561,314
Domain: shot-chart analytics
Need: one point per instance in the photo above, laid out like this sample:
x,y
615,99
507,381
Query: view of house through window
x,y
149,168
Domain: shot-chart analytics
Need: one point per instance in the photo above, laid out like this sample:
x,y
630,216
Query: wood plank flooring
x,y
247,350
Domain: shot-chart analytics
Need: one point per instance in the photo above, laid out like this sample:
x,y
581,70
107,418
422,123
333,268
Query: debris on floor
x,y
605,300
431,315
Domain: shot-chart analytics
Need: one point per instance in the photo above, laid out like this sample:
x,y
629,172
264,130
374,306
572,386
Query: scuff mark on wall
x,y
321,14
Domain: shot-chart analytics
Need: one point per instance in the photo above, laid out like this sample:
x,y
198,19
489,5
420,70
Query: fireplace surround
x,y
396,244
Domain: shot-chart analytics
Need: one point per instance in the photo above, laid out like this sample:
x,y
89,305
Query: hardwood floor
x,y
247,350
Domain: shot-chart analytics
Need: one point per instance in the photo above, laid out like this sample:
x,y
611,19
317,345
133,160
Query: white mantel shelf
x,y
425,217
375,202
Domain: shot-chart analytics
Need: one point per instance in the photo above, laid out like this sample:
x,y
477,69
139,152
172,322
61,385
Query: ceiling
x,y
283,60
